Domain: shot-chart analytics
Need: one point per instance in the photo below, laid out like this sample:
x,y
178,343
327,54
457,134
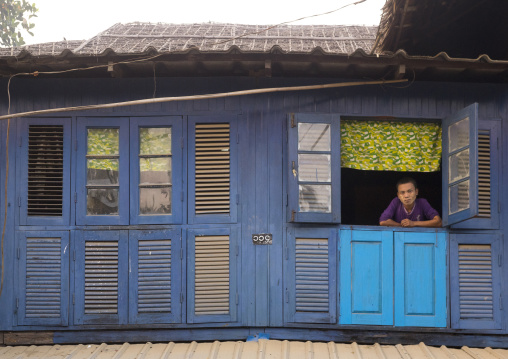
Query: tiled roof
x,y
140,37
272,349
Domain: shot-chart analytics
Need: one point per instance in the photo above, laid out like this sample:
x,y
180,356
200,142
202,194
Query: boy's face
x,y
407,194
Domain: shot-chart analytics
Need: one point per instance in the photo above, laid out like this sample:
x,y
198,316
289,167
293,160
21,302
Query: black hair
x,y
405,180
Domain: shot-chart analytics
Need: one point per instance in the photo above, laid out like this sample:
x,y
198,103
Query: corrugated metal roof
x,y
262,349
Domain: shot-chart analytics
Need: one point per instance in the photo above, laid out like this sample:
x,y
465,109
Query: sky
x,y
81,20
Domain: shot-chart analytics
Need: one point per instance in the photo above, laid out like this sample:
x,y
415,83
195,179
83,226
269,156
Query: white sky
x,y
80,20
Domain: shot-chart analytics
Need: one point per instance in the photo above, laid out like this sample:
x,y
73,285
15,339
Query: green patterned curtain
x,y
390,145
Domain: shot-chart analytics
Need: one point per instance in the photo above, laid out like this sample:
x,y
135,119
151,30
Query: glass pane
x,y
155,141
459,166
102,201
315,198
154,170
459,197
103,141
314,168
458,135
313,137
101,172
155,200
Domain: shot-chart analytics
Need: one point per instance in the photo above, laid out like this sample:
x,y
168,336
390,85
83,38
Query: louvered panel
x,y
475,282
101,277
211,275
43,278
212,168
45,170
484,174
154,276
311,268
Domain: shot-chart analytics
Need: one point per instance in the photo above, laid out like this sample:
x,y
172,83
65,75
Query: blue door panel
x,y
420,279
366,281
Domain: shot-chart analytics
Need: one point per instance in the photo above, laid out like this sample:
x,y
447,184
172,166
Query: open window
x,y
315,174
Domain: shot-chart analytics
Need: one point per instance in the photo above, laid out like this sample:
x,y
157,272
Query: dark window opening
x,y
366,194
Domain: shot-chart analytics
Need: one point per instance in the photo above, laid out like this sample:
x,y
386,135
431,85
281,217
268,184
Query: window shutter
x,y
101,272
44,187
311,276
213,169
45,170
484,209
155,276
101,277
212,274
44,278
475,280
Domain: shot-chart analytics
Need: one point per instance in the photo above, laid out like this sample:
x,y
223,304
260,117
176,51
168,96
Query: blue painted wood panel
x,y
366,277
420,279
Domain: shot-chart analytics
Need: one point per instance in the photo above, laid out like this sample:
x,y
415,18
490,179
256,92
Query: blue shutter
x,y
420,279
212,275
489,168
475,280
43,278
315,137
366,277
173,190
45,171
311,275
155,277
213,163
121,201
460,165
100,282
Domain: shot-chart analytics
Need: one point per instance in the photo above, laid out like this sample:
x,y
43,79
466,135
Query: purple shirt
x,y
422,211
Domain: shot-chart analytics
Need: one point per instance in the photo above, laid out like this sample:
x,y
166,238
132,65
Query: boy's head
x,y
407,190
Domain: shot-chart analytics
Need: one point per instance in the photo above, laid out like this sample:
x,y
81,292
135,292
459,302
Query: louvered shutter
x,y
213,168
488,177
155,276
311,280
212,276
475,280
45,180
101,276
43,278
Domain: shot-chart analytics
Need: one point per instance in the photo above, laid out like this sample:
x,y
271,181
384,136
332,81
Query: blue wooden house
x,y
200,212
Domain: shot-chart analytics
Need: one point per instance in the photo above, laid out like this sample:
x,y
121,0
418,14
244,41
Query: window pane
x,y
155,141
154,170
315,198
314,168
102,172
313,136
459,197
459,166
155,200
103,141
458,135
102,201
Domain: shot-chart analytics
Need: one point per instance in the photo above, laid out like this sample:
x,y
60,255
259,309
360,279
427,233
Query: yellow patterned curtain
x,y
390,145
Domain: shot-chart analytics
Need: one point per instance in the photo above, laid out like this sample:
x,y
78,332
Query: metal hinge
x,y
287,199
237,198
181,196
20,141
17,302
75,197
499,259
19,201
76,145
287,297
292,117
500,301
181,142
18,253
181,253
181,297
237,250
74,256
287,253
237,137
73,298
237,299
293,213
499,206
